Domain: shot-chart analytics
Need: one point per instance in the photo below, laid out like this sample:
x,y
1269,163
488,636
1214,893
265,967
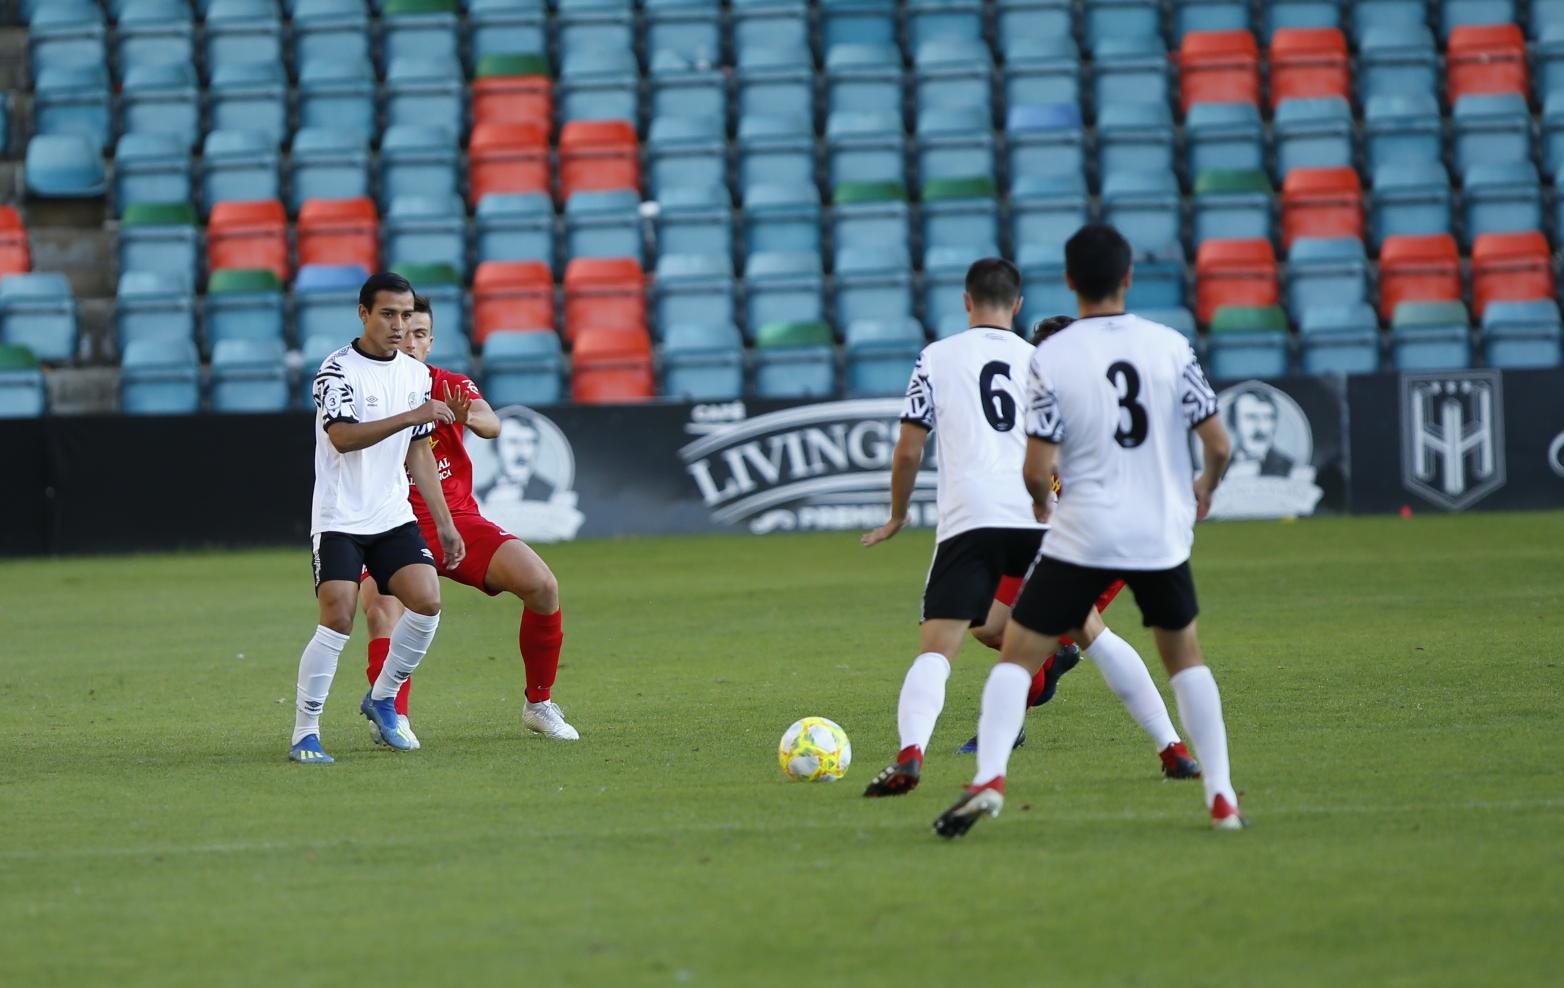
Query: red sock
x,y
379,648
540,638
1065,641
1038,678
909,753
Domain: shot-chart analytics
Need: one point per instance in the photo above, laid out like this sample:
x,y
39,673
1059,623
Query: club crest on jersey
x,y
412,399
1452,436
523,480
1272,475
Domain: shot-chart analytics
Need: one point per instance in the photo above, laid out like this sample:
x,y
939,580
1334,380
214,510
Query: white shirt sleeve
x,y
336,400
1043,418
919,406
1195,394
427,429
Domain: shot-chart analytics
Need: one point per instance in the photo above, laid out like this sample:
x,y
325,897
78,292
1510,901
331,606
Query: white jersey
x,y
968,389
1119,395
365,492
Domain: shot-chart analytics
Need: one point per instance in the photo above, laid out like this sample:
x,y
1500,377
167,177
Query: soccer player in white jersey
x,y
1110,405
371,401
968,387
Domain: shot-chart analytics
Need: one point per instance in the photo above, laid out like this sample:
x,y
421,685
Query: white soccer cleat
x,y
406,727
548,720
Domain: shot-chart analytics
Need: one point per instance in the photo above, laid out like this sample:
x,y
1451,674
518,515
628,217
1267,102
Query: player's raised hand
x,y
434,410
882,533
452,547
459,401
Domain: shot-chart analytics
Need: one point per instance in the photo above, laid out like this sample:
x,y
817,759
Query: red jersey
x,y
450,455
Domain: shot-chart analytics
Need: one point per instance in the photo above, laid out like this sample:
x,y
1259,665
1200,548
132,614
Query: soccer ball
x,y
815,750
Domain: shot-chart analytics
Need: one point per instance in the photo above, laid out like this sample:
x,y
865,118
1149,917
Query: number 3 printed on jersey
x,y
1132,414
999,405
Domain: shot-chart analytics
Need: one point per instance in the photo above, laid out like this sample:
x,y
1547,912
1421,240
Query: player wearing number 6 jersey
x,y
1110,405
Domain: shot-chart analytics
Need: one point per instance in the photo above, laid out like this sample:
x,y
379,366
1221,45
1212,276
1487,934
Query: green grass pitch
x,y
1393,697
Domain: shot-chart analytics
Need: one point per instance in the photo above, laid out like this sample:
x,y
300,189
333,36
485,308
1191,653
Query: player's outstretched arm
x,y
905,462
348,437
1042,461
426,476
1218,450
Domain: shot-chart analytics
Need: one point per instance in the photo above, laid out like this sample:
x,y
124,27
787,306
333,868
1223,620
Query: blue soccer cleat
x,y
971,746
382,714
309,752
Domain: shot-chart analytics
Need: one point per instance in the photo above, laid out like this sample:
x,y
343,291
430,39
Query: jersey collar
x,y
1002,329
370,356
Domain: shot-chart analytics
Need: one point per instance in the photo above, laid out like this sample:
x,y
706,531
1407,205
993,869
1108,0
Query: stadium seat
x,y
1046,211
450,351
66,32
338,95
870,214
1105,20
880,354
1209,15
1396,61
1145,208
782,287
1486,59
327,164
781,218
426,230
857,22
1325,271
703,362
1410,198
1322,202
1175,318
1552,127
419,29
423,161
604,224
1510,267
1544,14
1418,269
606,26
516,228
954,75
513,87
1045,140
239,165
1218,67
951,325
239,31
23,390
1247,341
1492,129
1338,338
1043,289
325,297
604,292
1159,284
1402,129
1134,137
1018,20
1549,53
1503,198
696,220
794,359
426,92
681,88
1313,133
339,231
522,368
250,96
1388,15
330,31
37,311
684,152
775,80
959,211
945,277
948,147
15,254
161,99
1523,334
1309,63
249,376
441,283
151,168
595,155
248,235
865,147
775,151
1232,205
942,20
64,166
863,79
873,283
1428,336
599,84
509,295
1130,68
243,304
610,365
506,157
74,99
1223,135
154,32
1042,70
694,288
1282,14
1234,272
160,377
159,237
690,30
1455,13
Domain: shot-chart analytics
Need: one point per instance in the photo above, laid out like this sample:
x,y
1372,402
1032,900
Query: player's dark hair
x,y
422,304
993,283
384,281
1097,260
1048,327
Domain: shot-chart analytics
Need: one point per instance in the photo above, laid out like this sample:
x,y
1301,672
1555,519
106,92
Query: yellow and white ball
x,y
815,750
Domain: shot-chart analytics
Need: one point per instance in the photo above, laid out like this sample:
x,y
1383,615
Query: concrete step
x,y
95,325
80,248
83,390
11,180
13,51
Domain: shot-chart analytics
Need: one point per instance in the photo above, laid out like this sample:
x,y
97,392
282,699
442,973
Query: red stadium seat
x,y
512,98
1308,63
609,365
1234,272
595,155
1322,202
604,291
1486,58
339,231
511,295
1510,267
1418,269
508,156
1218,67
248,235
15,255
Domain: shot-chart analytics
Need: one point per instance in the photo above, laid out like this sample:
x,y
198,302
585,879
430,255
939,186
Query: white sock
x,y
999,719
409,643
1125,673
316,667
1200,709
922,698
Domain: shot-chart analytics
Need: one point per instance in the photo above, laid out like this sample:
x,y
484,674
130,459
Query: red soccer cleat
x,y
1178,763
898,778
1224,815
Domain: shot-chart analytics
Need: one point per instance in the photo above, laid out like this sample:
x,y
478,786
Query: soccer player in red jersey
x,y
496,561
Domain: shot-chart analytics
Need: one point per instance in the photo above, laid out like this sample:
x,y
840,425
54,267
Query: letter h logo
x,y
1452,436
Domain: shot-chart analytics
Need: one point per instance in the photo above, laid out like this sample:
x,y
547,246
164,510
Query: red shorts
x,y
483,539
1010,588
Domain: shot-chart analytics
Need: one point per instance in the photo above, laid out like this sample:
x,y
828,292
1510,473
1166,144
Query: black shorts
x,y
967,569
1059,596
340,556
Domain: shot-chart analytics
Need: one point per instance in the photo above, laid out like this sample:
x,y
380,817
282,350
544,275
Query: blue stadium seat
x,y
1323,272
955,75
1159,282
516,227
1130,68
1313,133
249,376
1134,137
451,303
1015,20
782,287
522,368
795,372
1454,13
1234,356
775,151
1544,14
1045,139
945,278
599,27
870,224
73,99
951,325
694,288
1042,71
865,147
339,95
604,224
419,34
965,211
775,81
239,165
418,160
1489,129
327,31
1523,334
154,305
1369,16
452,351
949,146
1548,60
327,164
37,311
23,391
65,33
247,314
160,377
690,30
696,220
880,355
249,96
241,31
1173,317
1426,336
151,168
1300,13
1105,20
942,20
1223,135
685,151
1501,198
1402,129
873,283
1409,198
781,219
1208,15
598,85
680,87
426,229
506,27
425,92
314,351
172,247
1145,208
1552,125
64,166
323,295
1396,61
1045,211
1043,289
863,79
857,22
1339,338
703,361
154,32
